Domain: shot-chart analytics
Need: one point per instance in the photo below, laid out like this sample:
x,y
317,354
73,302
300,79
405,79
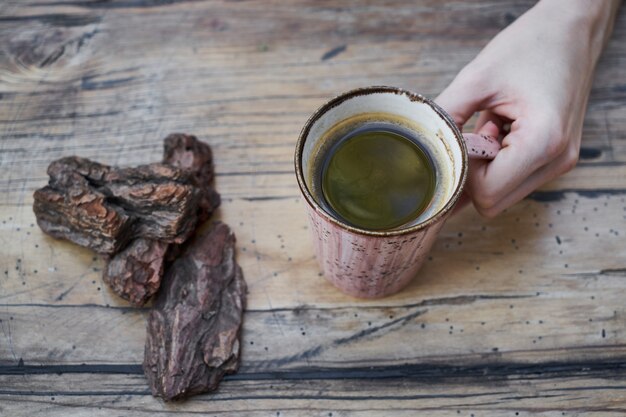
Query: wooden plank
x,y
555,244
553,325
540,394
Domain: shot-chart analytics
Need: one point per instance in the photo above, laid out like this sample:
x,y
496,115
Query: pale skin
x,y
531,85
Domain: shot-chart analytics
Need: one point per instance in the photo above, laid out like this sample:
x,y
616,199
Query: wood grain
x,y
524,394
521,315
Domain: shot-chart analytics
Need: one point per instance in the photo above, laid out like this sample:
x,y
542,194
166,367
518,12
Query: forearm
x,y
591,18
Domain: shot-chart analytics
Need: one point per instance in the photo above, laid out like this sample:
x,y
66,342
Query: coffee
x,y
377,176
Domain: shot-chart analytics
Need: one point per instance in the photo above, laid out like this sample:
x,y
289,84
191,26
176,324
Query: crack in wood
x,y
558,195
456,300
106,4
88,83
53,57
431,373
55,19
334,52
372,330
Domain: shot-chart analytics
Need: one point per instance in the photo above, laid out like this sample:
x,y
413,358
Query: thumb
x,y
461,99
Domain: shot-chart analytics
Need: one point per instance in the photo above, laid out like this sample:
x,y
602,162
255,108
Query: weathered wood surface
x,y
522,314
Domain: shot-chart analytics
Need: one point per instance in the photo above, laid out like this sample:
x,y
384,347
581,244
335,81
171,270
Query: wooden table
x,y
521,315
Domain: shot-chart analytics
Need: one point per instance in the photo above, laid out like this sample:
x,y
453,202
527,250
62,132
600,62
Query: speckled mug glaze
x,y
367,263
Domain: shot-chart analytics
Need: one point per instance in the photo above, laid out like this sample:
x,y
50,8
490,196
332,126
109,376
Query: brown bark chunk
x,y
188,153
124,272
81,214
135,272
194,327
102,207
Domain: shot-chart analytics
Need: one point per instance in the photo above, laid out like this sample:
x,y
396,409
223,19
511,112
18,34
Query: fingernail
x,y
490,125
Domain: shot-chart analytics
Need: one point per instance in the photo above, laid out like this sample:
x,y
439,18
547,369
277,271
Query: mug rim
x,y
362,91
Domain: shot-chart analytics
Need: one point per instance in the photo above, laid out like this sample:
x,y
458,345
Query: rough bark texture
x,y
138,215
135,272
194,327
188,153
102,207
82,215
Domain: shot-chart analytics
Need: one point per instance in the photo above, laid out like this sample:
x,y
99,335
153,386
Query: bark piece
x,y
103,208
125,271
135,273
81,214
188,153
194,327
163,200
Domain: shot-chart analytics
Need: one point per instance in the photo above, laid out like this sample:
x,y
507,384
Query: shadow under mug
x,y
376,263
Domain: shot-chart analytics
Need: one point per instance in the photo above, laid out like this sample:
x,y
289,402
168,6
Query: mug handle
x,y
481,146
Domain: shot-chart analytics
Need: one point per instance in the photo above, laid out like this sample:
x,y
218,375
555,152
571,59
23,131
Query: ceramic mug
x,y
374,263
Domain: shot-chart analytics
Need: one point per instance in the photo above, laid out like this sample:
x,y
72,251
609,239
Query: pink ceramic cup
x,y
373,263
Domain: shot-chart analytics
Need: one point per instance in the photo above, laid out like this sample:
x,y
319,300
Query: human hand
x,y
535,76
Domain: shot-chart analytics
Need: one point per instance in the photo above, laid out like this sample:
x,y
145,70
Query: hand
x,y
534,76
